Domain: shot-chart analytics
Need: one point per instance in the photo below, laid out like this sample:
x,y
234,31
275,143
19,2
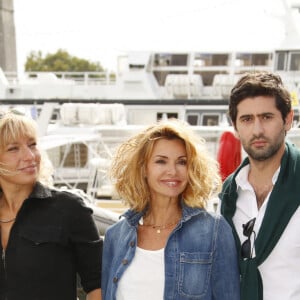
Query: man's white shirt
x,y
281,270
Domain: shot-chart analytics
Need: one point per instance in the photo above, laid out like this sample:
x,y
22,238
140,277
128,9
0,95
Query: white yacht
x,y
83,116
194,86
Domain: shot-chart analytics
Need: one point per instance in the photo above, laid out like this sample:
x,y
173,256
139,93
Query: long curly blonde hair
x,y
128,165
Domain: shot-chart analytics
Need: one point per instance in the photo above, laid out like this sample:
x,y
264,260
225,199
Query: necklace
x,y
7,221
158,227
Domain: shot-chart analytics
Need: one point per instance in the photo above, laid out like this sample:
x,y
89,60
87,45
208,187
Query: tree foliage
x,y
61,61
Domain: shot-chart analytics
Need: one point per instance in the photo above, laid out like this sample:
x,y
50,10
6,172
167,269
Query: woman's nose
x,y
27,153
172,169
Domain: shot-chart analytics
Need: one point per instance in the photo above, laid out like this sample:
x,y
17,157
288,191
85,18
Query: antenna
x,y
292,36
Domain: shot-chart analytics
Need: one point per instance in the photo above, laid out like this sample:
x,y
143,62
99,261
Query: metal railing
x,y
80,78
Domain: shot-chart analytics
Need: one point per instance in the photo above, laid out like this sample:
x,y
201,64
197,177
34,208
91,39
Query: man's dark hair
x,y
260,84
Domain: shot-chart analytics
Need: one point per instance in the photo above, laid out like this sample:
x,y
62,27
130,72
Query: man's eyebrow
x,y
258,115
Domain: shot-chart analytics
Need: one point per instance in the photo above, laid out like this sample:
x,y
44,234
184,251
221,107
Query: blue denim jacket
x,y
200,257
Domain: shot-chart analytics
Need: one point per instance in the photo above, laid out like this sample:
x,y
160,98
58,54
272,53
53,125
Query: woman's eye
x,y
33,145
182,162
160,161
10,149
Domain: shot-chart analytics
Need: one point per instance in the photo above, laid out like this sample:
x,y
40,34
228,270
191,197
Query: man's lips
x,y
259,143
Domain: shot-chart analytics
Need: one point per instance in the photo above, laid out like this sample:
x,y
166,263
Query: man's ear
x,y
236,134
289,120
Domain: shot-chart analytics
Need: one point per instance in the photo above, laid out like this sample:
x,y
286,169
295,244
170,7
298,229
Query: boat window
x,y
166,115
210,119
179,60
132,66
211,59
295,62
162,59
243,59
167,59
192,119
55,116
296,116
280,61
253,59
70,155
261,59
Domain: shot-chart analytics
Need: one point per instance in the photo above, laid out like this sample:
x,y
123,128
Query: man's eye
x,y
267,117
246,119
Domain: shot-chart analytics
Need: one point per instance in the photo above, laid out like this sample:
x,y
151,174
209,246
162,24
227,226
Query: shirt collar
x,y
242,178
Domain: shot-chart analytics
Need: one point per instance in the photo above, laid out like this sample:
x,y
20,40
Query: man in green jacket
x,y
261,199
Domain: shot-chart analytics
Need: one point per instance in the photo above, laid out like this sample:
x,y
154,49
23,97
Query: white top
x,y
281,270
144,278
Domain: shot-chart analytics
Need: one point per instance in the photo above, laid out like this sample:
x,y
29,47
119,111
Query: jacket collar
x,y
40,191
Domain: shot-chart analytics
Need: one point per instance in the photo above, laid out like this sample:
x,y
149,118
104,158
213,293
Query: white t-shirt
x,y
281,270
144,278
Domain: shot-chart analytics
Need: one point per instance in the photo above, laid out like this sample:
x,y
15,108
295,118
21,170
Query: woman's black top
x,y
53,239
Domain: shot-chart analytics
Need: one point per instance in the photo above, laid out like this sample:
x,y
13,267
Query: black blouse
x,y
53,239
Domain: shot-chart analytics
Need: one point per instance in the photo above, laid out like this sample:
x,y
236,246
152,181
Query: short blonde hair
x,y
15,125
128,165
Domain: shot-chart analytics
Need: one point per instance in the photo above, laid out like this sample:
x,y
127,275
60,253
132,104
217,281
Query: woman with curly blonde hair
x,y
168,246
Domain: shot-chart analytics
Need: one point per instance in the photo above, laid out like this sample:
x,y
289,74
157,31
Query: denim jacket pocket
x,y
194,273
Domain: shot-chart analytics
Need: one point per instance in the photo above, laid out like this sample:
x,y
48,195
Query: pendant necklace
x,y
162,227
158,228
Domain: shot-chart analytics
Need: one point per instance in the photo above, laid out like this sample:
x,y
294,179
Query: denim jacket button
x,y
132,244
124,261
115,280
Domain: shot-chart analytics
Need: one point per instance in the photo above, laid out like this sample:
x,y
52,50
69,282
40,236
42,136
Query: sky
x,y
100,30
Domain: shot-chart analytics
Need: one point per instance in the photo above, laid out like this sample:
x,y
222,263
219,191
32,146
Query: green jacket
x,y
283,202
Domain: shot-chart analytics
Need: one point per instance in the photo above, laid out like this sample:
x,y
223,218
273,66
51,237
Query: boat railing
x,y
89,78
78,78
131,85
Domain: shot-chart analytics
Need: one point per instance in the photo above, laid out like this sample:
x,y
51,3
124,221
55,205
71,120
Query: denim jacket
x,y
200,257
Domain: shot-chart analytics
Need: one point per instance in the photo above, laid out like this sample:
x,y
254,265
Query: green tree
x,y
61,61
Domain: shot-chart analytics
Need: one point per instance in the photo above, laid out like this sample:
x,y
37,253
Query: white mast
x,y
292,36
